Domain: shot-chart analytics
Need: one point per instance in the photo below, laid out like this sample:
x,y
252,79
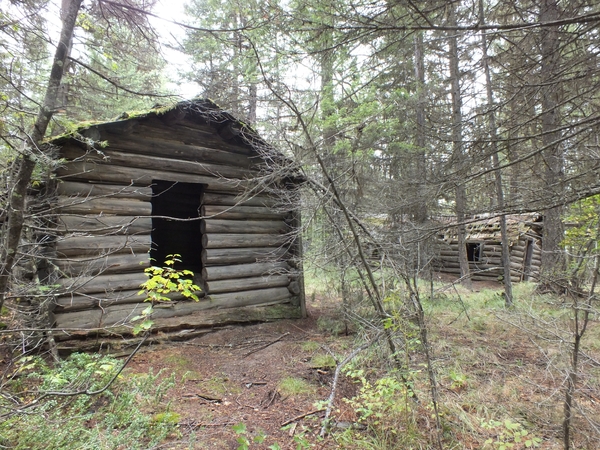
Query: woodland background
x,y
399,113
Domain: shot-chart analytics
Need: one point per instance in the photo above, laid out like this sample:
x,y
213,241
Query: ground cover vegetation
x,y
398,115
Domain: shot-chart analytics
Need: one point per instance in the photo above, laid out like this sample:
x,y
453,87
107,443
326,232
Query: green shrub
x,y
129,414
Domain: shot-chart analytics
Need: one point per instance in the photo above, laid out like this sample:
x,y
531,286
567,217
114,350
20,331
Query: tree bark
x,y
457,149
508,297
553,260
27,161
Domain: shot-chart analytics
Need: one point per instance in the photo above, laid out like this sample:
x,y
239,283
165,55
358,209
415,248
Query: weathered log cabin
x,y
189,180
484,248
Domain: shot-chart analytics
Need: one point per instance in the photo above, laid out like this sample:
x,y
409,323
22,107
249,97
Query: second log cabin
x,y
483,243
189,180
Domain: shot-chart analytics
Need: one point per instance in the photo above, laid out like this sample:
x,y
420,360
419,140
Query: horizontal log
x,y
246,284
213,273
242,213
111,173
105,205
191,133
95,245
244,226
73,188
102,224
233,200
90,301
119,263
158,145
483,265
151,162
102,283
481,276
225,256
122,314
72,303
175,328
243,240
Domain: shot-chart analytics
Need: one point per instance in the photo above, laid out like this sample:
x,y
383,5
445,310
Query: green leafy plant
x,y
163,281
509,435
243,440
128,414
378,400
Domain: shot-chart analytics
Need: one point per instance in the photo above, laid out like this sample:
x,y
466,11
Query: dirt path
x,y
263,376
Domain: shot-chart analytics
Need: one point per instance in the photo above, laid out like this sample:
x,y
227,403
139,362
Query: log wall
x,y
489,266
104,223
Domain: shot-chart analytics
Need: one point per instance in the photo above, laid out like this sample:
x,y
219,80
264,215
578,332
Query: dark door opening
x,y
527,260
474,251
174,200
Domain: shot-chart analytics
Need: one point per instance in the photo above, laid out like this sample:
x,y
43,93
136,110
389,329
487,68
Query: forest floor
x,y
264,376
265,380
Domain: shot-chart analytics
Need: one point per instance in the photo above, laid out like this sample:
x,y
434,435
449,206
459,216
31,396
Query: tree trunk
x,y
27,160
508,297
553,260
457,149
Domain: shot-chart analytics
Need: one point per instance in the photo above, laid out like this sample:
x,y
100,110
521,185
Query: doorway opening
x,y
474,251
170,201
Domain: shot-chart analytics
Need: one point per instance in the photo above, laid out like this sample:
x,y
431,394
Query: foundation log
x,y
122,314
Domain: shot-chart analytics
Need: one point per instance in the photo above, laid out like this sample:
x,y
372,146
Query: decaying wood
x,y
117,314
153,162
243,240
112,173
262,347
242,213
96,245
161,146
102,283
246,284
244,226
118,263
103,299
213,273
106,205
175,328
103,224
232,200
73,188
225,256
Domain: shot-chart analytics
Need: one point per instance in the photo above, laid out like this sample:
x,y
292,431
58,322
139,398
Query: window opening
x,y
174,200
474,251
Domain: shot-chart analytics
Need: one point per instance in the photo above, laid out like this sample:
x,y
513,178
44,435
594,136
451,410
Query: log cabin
x,y
484,248
189,180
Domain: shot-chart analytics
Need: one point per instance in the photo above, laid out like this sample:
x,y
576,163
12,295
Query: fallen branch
x,y
302,416
266,345
336,376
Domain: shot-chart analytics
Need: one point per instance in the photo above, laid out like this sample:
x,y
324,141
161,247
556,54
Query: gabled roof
x,y
201,111
486,228
204,111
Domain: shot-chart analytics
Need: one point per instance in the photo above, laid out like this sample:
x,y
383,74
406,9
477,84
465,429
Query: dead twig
x,y
302,416
336,376
266,345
